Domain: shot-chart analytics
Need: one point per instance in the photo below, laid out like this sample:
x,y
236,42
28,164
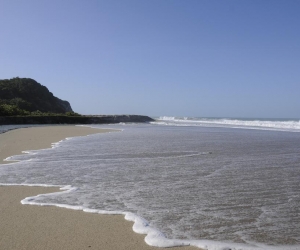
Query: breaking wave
x,y
291,125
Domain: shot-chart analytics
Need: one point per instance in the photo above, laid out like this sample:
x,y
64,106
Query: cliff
x,y
25,101
27,95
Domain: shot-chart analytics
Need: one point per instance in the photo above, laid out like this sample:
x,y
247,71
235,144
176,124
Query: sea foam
x,y
97,167
141,226
280,125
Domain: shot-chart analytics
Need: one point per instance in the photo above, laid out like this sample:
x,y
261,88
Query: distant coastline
x,y
62,119
25,101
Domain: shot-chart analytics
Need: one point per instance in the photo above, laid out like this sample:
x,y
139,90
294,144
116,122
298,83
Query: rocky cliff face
x,y
29,95
65,105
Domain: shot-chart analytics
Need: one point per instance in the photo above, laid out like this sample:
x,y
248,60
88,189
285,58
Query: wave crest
x,y
280,125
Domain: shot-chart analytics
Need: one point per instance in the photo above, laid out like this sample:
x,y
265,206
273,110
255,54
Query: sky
x,y
200,58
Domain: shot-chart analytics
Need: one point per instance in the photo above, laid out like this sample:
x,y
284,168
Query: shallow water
x,y
219,184
5,128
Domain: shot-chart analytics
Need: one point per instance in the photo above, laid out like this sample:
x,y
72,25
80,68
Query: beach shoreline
x,y
49,227
13,142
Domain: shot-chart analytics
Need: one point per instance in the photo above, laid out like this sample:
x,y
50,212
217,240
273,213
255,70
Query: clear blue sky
x,y
207,58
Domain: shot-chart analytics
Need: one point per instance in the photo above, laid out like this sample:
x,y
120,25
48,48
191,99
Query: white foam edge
x,y
13,161
228,123
226,126
114,130
141,226
55,144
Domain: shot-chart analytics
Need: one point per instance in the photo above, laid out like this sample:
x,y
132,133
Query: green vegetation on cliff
x,y
25,101
25,96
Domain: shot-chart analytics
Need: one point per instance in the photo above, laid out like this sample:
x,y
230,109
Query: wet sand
x,y
13,142
36,227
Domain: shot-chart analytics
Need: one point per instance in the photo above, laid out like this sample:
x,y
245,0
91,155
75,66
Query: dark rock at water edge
x,y
118,118
104,119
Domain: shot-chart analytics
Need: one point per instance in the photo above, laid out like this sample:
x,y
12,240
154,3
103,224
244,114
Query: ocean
x,y
212,183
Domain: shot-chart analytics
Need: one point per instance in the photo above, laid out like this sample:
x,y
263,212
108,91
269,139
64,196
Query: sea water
x,y
182,181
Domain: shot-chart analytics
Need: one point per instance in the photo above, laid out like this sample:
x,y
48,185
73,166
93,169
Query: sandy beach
x,y
15,141
35,227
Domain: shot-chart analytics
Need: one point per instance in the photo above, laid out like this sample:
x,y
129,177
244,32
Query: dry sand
x,y
33,227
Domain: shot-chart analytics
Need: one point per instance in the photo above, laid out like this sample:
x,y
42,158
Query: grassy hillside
x,y
25,96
